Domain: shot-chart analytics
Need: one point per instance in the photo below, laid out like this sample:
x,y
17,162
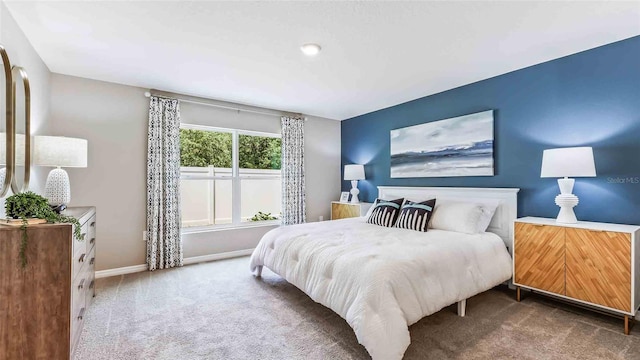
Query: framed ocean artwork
x,y
459,146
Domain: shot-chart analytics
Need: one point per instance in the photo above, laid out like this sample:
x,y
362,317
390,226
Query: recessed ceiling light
x,y
310,49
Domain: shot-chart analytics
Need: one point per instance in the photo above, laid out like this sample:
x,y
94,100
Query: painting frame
x,y
460,146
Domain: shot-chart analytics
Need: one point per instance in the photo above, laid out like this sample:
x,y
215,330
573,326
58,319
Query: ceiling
x,y
374,54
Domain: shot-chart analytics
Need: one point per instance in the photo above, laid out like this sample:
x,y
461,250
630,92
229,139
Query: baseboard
x,y
220,256
187,261
121,271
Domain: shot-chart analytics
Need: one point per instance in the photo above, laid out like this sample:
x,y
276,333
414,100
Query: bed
x,y
382,280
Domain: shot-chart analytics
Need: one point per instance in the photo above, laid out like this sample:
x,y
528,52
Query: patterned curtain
x,y
293,190
164,245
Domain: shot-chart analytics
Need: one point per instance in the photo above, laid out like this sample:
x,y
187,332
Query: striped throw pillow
x,y
385,212
415,216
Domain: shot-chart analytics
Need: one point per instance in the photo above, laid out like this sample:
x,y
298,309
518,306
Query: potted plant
x,y
29,205
260,216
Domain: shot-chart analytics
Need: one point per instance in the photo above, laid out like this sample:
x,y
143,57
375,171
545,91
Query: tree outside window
x,y
212,192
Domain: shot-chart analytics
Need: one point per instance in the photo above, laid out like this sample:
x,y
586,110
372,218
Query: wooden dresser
x,y
590,263
343,210
42,306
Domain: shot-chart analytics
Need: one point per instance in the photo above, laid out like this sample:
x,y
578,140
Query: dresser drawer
x,y
77,322
78,301
91,233
78,291
78,261
86,272
80,288
90,274
91,289
80,245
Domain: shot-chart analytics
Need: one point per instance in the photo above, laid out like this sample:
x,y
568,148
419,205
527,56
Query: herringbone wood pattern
x,y
343,211
539,257
599,267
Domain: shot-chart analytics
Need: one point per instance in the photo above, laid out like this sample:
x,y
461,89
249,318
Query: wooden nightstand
x,y
590,263
340,210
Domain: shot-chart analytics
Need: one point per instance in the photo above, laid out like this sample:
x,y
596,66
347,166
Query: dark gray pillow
x,y
385,212
415,216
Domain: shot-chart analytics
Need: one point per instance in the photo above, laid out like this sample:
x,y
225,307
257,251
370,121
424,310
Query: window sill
x,y
225,227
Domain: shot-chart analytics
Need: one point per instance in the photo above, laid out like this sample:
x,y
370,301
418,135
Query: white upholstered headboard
x,y
502,222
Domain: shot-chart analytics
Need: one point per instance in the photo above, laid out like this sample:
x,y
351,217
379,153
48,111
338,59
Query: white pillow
x,y
488,209
373,206
457,216
371,209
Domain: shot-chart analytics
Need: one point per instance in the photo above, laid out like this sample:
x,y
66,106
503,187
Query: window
x,y
229,177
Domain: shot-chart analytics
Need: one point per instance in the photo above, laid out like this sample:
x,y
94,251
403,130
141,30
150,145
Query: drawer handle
x,y
93,283
81,286
92,240
81,314
93,223
81,259
93,259
82,236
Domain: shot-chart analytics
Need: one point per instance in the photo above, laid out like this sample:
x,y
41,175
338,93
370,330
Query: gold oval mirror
x,y
21,94
6,127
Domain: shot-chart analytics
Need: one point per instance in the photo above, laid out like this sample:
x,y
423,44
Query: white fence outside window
x,y
206,195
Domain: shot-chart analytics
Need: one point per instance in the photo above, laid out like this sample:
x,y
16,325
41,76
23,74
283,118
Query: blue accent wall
x,y
588,99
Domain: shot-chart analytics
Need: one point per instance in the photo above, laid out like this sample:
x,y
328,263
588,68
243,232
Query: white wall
x,y
113,118
21,53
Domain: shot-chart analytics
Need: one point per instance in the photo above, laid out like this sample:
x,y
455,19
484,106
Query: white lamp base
x,y
354,191
566,201
57,189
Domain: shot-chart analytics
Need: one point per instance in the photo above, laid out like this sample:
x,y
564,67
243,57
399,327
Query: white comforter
x,y
381,280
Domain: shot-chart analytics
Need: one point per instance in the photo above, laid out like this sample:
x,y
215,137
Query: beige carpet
x,y
218,310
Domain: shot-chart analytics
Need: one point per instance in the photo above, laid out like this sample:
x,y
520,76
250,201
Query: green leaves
x,y
201,148
259,152
29,205
26,204
260,216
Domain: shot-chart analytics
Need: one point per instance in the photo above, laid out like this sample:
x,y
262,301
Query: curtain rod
x,y
220,104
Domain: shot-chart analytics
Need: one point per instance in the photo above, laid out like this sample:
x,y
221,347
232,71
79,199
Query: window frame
x,y
236,180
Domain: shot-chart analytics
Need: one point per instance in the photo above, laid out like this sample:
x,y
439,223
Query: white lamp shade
x,y
60,151
568,162
354,172
19,147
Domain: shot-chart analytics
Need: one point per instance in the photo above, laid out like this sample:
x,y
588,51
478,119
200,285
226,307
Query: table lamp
x,y
564,163
59,152
354,173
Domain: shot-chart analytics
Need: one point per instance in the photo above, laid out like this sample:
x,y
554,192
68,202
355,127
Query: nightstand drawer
x,y
341,210
598,267
539,253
